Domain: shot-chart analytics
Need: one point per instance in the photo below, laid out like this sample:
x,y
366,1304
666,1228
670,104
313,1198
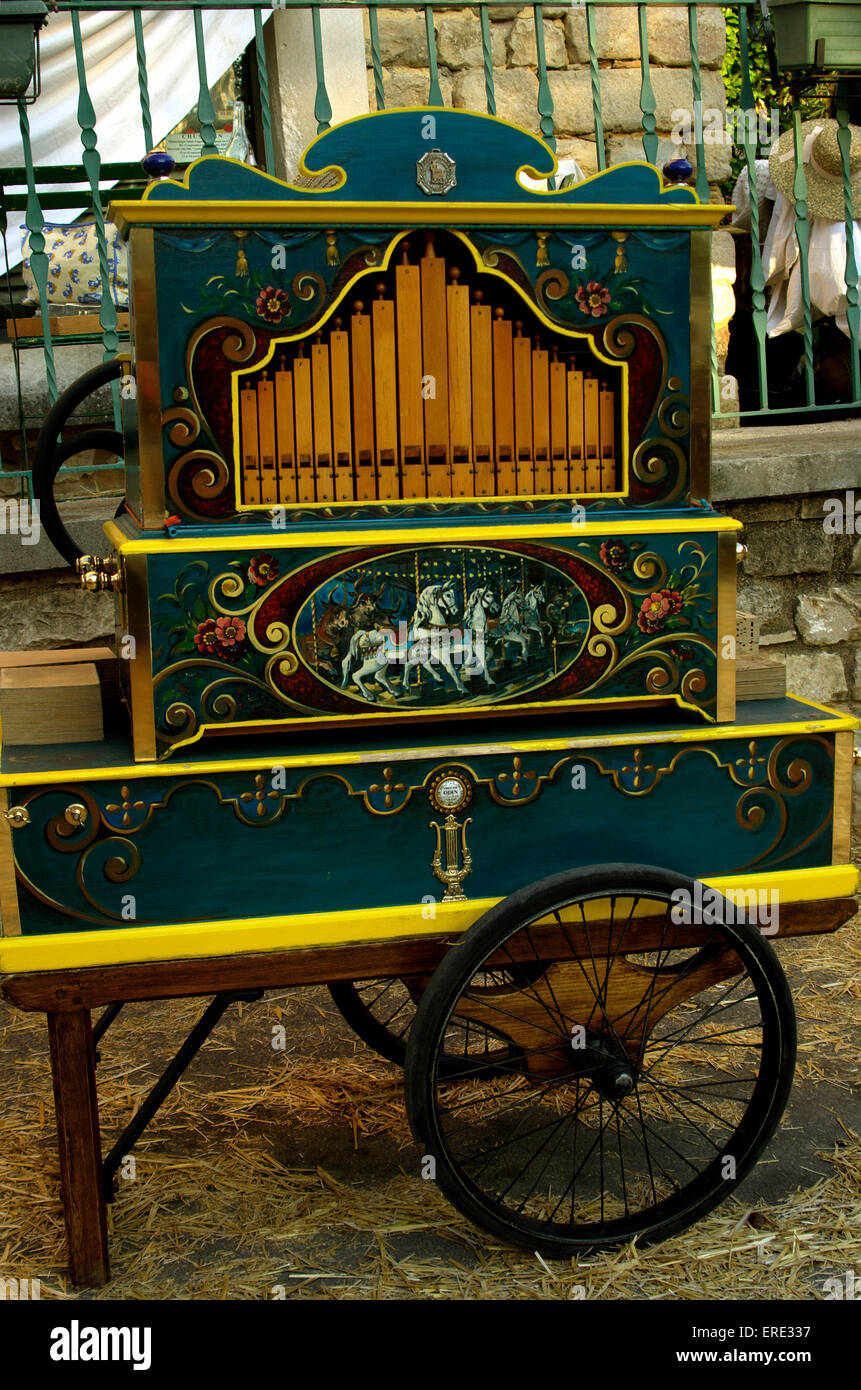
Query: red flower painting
x,y
263,569
220,637
657,608
206,638
592,299
272,305
614,554
229,631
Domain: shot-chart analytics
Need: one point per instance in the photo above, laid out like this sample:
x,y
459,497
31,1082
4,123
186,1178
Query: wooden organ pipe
x,y
428,395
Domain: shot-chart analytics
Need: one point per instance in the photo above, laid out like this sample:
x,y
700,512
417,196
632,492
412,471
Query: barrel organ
x,y
397,452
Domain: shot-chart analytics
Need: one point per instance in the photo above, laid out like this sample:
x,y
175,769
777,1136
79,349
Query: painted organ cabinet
x,y
417,442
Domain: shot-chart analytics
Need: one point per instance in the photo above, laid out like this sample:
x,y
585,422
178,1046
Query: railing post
x,y
434,89
487,59
757,274
595,79
853,312
263,78
143,88
376,59
35,223
205,108
802,232
322,104
92,163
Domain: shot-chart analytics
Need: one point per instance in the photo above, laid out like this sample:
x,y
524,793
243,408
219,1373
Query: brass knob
x,y
76,814
740,551
87,562
856,755
105,576
17,816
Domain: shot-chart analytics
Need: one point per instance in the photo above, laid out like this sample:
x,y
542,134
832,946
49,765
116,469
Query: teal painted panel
x,y
379,154
230,301
398,631
244,844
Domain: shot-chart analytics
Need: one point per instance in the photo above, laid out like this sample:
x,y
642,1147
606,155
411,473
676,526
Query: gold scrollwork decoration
x,y
119,868
307,285
651,568
184,425
551,286
674,415
652,461
208,482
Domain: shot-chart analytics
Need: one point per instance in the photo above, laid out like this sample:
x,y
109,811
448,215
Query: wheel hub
x,y
608,1066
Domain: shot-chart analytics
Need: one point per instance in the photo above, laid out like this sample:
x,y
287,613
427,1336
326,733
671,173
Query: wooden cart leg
x,y
73,1066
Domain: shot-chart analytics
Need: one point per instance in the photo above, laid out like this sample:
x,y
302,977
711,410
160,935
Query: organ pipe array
x,y
426,395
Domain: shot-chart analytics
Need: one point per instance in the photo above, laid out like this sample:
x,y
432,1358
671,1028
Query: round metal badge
x,y
450,791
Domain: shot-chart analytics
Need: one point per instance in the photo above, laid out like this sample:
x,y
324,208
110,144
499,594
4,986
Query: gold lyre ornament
x,y
451,875
451,791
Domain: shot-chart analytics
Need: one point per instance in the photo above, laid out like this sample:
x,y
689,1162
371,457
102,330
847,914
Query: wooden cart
x,y
426,635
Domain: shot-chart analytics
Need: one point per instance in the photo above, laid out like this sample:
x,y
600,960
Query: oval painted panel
x,y
465,625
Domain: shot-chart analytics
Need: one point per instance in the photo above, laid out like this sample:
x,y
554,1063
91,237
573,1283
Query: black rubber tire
x,y
387,1036
388,1042
665,1217
49,456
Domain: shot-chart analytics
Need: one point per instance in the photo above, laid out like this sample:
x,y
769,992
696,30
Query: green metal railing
x,y
95,175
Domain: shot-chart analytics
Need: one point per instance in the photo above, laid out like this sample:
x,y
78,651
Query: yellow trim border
x,y
336,212
133,945
303,757
535,530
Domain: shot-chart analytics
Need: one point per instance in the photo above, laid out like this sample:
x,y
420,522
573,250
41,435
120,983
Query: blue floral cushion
x,y
71,248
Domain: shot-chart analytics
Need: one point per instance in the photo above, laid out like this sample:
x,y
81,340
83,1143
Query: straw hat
x,y
823,168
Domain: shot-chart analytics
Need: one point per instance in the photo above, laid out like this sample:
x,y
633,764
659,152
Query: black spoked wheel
x,y
382,1012
652,1057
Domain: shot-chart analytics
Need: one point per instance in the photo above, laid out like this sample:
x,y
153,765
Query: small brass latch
x,y
97,574
76,814
17,816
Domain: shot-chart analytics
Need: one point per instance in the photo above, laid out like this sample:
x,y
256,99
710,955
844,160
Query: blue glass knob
x,y
158,164
678,170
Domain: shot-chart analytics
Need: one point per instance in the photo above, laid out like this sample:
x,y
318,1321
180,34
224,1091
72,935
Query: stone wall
x,y
406,77
805,586
403,45
801,575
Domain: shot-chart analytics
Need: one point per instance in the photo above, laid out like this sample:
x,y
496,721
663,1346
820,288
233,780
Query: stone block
x,y
824,621
771,603
776,509
516,95
403,39
855,562
521,43
584,151
856,678
789,547
669,38
458,40
55,612
572,102
674,93
616,33
409,87
816,676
